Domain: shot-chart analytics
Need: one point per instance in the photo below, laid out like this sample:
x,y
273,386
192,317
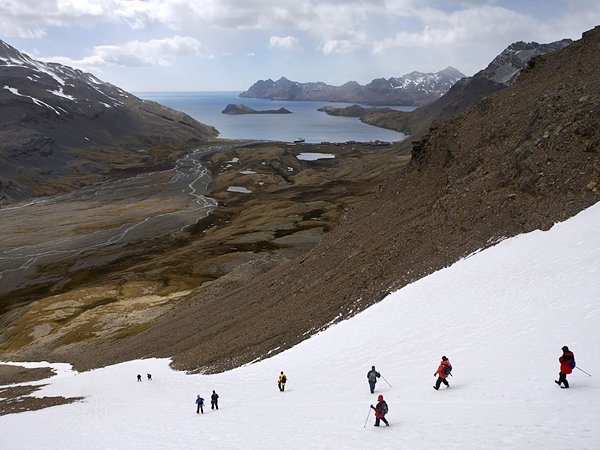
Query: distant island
x,y
234,109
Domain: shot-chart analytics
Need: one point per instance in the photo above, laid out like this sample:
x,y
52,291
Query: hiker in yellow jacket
x,y
281,381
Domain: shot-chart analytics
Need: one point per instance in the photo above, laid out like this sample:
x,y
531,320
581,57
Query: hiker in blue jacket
x,y
200,404
372,376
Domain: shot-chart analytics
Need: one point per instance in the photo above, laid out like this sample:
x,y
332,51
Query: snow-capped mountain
x,y
53,115
414,88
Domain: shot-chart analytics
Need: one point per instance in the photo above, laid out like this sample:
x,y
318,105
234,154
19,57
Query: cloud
x,y
31,18
336,24
156,52
286,43
467,27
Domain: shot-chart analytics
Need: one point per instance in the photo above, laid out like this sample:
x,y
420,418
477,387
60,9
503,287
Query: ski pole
x,y
386,381
583,371
367,418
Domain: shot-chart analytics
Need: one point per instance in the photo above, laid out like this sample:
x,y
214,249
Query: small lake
x,y
305,122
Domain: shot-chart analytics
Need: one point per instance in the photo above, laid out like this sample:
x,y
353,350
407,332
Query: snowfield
x,y
501,316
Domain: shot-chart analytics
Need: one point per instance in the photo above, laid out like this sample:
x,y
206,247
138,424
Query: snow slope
x,y
501,316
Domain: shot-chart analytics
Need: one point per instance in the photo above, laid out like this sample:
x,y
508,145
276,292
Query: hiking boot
x,y
436,388
557,382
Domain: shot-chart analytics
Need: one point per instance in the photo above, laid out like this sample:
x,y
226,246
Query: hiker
x,y
214,401
281,381
442,373
200,404
567,364
149,376
380,411
372,376
139,377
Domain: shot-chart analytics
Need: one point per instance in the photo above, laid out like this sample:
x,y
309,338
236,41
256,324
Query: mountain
x,y
500,73
506,67
501,316
415,88
519,160
62,127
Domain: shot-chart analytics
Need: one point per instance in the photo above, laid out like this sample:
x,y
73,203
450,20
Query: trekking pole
x,y
367,418
583,371
386,381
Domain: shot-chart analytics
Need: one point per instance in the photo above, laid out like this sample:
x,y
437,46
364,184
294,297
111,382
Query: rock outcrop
x,y
235,109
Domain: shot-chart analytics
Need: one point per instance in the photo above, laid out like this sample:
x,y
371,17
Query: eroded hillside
x,y
520,160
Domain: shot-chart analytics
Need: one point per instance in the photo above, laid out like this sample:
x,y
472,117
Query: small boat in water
x,y
298,141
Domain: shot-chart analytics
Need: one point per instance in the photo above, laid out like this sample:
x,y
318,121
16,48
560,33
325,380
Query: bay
x,y
305,122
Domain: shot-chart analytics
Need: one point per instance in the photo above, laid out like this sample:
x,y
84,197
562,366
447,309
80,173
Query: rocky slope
x,y
519,160
415,88
62,128
501,72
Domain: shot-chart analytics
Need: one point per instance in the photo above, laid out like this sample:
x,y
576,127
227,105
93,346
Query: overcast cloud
x,y
203,44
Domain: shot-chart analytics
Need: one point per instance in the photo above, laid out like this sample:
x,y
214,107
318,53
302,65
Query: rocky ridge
x,y
502,71
415,88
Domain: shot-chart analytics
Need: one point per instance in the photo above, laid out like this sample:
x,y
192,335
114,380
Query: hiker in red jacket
x,y
381,409
442,373
567,363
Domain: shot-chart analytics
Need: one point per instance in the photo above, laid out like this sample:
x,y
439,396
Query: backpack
x,y
447,369
283,379
373,376
572,363
383,408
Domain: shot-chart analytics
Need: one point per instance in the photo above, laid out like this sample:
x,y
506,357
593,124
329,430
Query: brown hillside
x,y
522,159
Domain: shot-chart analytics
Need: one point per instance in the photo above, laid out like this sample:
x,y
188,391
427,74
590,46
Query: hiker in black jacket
x,y
214,401
372,376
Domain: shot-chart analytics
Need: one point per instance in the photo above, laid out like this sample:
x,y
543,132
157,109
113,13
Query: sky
x,y
207,45
502,325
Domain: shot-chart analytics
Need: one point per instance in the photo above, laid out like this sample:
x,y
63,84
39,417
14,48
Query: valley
x,y
103,262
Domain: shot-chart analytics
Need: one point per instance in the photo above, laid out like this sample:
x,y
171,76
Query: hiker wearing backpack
x,y
281,381
381,409
442,372
567,364
372,376
199,404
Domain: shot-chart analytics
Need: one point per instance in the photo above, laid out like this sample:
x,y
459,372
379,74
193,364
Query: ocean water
x,y
305,121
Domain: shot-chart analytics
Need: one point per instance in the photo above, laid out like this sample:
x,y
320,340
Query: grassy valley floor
x,y
272,206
